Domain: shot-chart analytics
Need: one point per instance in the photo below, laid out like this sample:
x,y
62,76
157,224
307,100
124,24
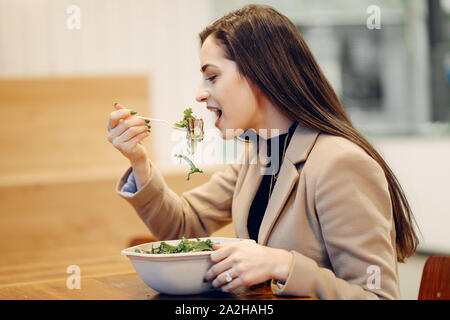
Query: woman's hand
x,y
247,264
126,133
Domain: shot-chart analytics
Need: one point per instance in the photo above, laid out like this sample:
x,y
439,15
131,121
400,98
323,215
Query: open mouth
x,y
216,111
218,114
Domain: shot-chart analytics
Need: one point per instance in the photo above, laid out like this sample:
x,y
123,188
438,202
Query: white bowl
x,y
174,273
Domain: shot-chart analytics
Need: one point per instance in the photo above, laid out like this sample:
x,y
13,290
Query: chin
x,y
230,133
226,135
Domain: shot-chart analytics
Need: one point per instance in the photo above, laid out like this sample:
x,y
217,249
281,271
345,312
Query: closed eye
x,y
211,78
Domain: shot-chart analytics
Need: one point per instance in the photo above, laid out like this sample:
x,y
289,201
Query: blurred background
x,y
63,64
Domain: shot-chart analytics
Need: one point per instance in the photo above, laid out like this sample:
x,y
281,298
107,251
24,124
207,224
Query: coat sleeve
x,y
196,213
354,209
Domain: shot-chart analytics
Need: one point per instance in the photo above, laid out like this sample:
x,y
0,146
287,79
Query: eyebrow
x,y
204,67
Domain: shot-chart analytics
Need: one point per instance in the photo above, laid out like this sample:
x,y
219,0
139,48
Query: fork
x,y
160,120
149,119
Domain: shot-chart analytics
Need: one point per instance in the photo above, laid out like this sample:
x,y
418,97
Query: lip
x,y
220,116
218,121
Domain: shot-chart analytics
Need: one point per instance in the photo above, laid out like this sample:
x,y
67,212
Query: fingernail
x,y
133,112
147,121
204,279
149,130
149,126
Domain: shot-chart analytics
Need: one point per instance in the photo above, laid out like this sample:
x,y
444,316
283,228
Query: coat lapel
x,y
298,150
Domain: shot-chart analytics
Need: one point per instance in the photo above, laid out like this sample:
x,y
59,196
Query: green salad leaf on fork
x,y
194,134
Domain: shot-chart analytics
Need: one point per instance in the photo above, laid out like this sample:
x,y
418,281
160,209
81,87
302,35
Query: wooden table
x,y
105,275
121,287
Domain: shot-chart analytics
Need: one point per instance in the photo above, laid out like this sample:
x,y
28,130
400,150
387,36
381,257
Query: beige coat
x,y
330,207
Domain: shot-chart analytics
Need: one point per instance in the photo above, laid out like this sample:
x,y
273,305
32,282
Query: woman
x,y
331,222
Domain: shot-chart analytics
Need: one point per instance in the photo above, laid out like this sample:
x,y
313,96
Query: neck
x,y
273,122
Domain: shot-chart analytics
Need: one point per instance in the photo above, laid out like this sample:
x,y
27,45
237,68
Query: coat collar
x,y
298,150
301,144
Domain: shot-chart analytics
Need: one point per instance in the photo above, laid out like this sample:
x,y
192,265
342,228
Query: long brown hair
x,y
270,51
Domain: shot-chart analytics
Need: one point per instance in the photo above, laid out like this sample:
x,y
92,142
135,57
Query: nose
x,y
202,94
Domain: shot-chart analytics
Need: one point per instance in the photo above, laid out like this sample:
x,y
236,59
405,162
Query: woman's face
x,y
226,92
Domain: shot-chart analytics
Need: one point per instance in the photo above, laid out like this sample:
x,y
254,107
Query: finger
x,y
232,244
221,253
221,279
233,285
116,116
131,144
218,268
245,279
129,134
125,125
127,147
118,106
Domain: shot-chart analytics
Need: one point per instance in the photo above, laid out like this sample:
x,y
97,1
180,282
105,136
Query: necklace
x,y
274,177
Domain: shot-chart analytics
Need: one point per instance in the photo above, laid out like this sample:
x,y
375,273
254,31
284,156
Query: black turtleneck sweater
x,y
259,205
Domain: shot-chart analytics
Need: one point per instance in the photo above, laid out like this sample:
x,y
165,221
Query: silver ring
x,y
228,278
